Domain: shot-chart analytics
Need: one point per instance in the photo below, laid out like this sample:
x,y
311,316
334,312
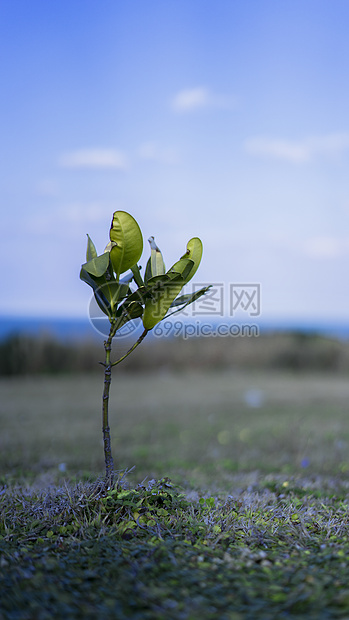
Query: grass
x,y
243,512
180,425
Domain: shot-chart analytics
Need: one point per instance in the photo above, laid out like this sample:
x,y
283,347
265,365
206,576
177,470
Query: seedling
x,y
156,296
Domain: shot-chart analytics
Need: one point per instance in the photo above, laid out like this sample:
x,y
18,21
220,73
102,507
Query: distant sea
x,y
59,328
75,329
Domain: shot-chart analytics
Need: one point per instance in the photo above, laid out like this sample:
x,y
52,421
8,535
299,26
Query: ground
x,y
237,506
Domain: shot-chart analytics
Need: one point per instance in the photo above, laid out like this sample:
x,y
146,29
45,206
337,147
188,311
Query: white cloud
x,y
153,152
279,149
324,247
298,151
94,158
198,98
191,99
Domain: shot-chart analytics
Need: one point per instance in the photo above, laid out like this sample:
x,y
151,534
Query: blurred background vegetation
x,y
44,354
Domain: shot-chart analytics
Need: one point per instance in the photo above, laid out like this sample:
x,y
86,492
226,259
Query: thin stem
x,y
138,342
109,463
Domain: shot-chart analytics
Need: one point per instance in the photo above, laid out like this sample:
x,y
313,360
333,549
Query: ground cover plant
x,y
149,552
237,506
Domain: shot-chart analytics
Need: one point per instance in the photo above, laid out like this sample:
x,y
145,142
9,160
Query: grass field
x,y
192,425
266,453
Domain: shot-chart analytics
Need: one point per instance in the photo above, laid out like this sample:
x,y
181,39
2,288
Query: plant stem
x,y
138,342
109,463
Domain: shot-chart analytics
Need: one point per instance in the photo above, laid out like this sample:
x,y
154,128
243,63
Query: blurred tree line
x,y
296,351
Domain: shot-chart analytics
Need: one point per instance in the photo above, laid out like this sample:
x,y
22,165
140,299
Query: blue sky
x,y
224,119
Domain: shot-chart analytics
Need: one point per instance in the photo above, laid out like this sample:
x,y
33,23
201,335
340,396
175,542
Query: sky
x,y
223,119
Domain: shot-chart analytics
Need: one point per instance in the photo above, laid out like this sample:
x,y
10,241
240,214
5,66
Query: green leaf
x,y
96,284
125,313
180,273
93,281
91,251
183,267
86,277
157,265
140,295
190,261
108,292
137,275
127,237
97,266
164,294
185,300
132,306
156,281
103,303
194,253
157,306
147,273
115,291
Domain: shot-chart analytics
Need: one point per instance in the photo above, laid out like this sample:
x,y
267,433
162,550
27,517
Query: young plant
x,y
155,297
